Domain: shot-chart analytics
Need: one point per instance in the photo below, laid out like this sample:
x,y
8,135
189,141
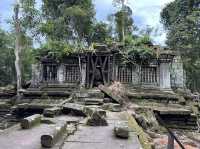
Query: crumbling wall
x,y
177,73
36,75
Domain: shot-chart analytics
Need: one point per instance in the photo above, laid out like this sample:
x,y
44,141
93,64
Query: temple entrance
x,y
50,73
98,70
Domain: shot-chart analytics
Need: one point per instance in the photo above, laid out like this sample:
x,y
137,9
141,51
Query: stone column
x,y
165,81
178,73
60,74
36,75
135,74
83,75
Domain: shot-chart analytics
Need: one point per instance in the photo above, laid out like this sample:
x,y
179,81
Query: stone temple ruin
x,y
72,103
106,65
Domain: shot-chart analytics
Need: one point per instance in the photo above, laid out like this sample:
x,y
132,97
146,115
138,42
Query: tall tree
x,y
123,20
17,48
69,20
181,19
24,22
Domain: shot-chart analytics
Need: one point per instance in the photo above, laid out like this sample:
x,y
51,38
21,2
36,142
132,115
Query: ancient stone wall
x,y
177,73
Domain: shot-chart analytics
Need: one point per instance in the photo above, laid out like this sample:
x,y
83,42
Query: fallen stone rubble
x,y
31,121
97,119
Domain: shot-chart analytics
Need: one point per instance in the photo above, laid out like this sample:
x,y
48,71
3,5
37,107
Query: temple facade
x,y
90,69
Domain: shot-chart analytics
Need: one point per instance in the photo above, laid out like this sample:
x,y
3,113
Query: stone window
x,y
149,75
125,74
72,74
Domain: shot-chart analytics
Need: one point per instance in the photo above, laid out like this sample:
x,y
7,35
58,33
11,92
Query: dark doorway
x,y
98,70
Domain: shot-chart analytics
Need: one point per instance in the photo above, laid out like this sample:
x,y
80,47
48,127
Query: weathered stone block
x,y
109,93
142,121
51,112
31,121
89,110
96,119
93,101
48,140
112,107
121,130
74,109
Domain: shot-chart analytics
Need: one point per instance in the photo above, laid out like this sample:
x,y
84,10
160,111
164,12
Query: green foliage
x,y
181,19
68,20
123,19
60,49
101,33
136,50
137,41
7,58
30,17
7,68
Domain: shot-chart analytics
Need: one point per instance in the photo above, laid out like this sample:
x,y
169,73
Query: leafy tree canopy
x,y
72,18
182,20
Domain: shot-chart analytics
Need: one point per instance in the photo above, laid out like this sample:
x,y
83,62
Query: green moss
x,y
143,137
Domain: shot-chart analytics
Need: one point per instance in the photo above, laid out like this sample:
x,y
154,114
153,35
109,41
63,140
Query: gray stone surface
x,y
100,138
85,137
17,138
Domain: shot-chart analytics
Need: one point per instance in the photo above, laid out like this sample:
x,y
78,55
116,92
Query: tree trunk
x,y
123,21
17,50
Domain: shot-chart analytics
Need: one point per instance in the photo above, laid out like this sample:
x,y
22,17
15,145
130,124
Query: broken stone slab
x,y
48,121
96,119
142,121
93,101
109,93
51,112
74,109
121,130
95,93
71,129
30,121
49,139
172,111
112,107
90,94
89,110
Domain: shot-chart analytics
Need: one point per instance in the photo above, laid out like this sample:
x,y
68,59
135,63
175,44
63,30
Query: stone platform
x,y
86,137
17,138
100,138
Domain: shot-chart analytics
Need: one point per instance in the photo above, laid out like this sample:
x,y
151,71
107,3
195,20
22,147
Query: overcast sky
x,y
145,12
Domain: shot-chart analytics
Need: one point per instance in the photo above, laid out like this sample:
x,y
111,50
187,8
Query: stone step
x,y
90,94
59,93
